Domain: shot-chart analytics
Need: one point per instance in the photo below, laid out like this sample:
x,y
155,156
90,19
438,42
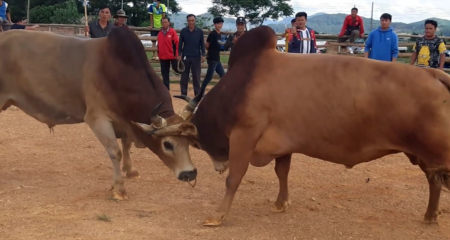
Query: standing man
x,y
192,48
100,27
429,51
304,39
382,43
121,19
157,12
231,39
5,15
353,26
167,50
289,35
213,46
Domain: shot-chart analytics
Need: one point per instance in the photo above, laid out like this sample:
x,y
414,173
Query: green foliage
x,y
62,13
256,11
67,13
42,14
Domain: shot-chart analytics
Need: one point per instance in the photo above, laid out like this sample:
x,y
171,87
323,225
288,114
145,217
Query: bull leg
x,y
282,167
241,154
104,131
432,213
127,166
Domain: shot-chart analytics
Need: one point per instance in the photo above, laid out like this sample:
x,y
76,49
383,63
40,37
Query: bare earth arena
x,y
55,186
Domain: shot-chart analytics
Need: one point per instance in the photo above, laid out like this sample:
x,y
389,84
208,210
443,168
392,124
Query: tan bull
x,y
106,82
345,110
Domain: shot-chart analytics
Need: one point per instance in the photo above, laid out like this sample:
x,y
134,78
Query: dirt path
x,y
54,186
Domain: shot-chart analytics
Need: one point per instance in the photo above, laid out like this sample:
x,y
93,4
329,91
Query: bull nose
x,y
187,176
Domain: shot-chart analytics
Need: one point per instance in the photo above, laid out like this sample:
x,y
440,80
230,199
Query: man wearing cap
x,y
121,19
157,11
213,46
231,39
168,51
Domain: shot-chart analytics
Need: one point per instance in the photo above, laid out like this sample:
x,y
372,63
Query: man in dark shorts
x,y
213,56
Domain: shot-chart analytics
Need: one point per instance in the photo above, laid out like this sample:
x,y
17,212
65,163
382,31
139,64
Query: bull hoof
x,y
432,218
280,206
212,222
133,174
215,221
119,193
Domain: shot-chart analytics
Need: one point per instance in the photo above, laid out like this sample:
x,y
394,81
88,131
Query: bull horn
x,y
192,103
158,121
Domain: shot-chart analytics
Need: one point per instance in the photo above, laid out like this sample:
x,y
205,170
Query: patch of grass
x,y
103,217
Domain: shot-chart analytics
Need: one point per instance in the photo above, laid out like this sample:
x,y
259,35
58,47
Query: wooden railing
x,y
331,42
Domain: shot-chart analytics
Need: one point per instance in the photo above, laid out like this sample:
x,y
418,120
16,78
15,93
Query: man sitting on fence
x,y
5,16
353,26
168,51
304,41
429,50
157,12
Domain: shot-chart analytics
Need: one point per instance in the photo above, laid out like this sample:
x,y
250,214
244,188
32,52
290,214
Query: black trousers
x,y
194,65
165,68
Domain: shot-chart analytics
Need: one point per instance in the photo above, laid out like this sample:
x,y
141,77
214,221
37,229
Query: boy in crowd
x,y
382,43
429,50
213,46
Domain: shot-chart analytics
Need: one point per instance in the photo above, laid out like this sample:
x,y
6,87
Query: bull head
x,y
159,125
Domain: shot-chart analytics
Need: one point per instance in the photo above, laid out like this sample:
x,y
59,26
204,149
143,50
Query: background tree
x,y
256,11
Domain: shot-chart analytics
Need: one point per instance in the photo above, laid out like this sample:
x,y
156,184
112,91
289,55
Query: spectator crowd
x,y
185,53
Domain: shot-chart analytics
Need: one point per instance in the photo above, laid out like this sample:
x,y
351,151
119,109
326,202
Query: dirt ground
x,y
54,186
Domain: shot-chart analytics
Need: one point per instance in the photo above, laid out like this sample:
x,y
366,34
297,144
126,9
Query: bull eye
x,y
168,146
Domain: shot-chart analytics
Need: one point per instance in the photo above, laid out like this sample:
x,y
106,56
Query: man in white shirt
x,y
305,40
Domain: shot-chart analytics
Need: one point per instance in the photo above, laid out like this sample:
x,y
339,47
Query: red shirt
x,y
348,22
168,44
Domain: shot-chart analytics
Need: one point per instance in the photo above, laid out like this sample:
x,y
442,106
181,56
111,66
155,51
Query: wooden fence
x,y
331,44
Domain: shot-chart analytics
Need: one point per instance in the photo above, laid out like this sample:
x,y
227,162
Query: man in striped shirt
x,y
305,40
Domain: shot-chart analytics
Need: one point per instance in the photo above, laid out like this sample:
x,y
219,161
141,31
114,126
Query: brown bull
x,y
105,82
345,110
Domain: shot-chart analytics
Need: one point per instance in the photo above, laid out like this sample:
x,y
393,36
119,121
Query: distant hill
x,y
323,23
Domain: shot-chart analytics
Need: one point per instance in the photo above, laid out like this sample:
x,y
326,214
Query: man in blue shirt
x,y
4,12
382,43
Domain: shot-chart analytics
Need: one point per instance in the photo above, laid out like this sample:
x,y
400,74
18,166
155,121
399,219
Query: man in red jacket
x,y
167,50
353,26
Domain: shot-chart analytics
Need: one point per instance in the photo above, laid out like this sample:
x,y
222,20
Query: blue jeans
x,y
213,66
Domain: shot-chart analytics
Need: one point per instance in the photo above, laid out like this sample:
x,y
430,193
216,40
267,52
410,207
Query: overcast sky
x,y
415,10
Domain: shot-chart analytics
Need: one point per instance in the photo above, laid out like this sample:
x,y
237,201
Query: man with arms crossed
x,y
192,49
429,51
382,43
